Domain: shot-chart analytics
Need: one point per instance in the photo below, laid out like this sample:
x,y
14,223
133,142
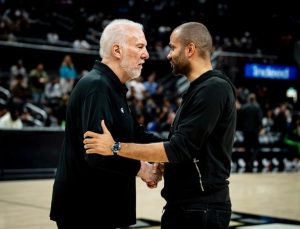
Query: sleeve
x,y
197,122
95,108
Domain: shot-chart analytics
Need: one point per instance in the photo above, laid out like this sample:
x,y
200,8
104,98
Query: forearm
x,y
153,152
102,144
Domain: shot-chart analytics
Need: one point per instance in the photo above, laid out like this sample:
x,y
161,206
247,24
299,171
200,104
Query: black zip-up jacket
x,y
201,141
89,187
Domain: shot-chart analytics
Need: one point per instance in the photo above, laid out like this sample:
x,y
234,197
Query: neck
x,y
198,67
195,74
115,67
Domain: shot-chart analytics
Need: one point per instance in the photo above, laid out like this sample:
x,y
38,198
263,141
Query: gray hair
x,y
115,32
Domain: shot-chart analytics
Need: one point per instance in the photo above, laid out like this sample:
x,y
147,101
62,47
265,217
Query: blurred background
x,y
47,46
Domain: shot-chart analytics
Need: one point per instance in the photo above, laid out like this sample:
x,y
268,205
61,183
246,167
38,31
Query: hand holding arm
x,y
99,143
102,143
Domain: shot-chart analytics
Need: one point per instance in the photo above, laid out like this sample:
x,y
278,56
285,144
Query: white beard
x,y
131,72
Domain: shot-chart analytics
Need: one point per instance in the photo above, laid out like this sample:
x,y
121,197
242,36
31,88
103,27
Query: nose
x,y
145,54
169,56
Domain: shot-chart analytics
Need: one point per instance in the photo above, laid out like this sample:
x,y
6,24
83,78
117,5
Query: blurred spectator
x,y
136,88
160,52
152,126
159,95
292,139
11,119
165,116
140,119
268,122
55,100
150,84
292,94
18,91
18,69
68,74
53,89
38,78
242,94
251,124
282,118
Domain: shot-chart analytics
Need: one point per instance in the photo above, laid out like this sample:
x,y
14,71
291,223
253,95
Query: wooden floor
x,y
25,204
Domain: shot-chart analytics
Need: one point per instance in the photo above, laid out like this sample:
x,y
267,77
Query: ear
x,y
190,49
116,50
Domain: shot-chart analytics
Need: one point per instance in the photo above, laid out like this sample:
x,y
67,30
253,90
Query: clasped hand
x,y
151,174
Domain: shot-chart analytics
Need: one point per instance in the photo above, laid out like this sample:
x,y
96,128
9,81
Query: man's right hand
x,y
151,173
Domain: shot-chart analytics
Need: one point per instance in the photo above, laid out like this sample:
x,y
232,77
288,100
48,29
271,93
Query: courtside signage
x,y
270,71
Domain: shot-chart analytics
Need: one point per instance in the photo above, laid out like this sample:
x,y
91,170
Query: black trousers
x,y
251,147
197,216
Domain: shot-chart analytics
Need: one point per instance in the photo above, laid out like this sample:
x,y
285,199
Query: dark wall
x,y
29,153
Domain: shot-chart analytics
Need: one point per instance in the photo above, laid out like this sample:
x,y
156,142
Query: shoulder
x,y
93,82
220,82
214,85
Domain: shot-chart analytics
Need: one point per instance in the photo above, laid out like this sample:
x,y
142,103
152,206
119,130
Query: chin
x,y
135,76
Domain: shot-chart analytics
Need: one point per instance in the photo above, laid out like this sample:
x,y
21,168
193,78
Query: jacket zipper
x,y
199,173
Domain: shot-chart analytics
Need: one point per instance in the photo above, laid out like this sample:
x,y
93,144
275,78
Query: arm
x,y
101,144
154,152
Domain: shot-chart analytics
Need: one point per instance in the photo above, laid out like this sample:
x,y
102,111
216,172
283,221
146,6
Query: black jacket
x,y
93,188
200,142
251,116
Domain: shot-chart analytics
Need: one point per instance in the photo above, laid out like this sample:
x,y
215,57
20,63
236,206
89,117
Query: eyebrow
x,y
171,45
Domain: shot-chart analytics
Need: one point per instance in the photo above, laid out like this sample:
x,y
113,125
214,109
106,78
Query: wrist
x,y
115,148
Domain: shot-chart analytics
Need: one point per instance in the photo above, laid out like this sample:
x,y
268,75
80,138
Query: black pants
x,y
197,216
251,147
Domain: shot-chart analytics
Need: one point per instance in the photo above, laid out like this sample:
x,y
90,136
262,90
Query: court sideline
x,y
260,200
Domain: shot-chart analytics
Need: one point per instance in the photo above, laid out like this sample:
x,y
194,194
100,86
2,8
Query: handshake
x,y
150,173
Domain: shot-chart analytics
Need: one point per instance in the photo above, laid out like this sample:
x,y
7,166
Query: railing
x,y
48,47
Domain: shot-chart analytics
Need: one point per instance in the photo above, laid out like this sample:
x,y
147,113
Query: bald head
x,y
198,34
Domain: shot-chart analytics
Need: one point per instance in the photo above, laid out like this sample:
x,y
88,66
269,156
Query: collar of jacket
x,y
198,81
111,76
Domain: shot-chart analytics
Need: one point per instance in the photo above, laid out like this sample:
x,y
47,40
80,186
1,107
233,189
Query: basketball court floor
x,y
260,201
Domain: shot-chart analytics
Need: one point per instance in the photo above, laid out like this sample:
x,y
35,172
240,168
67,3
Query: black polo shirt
x,y
85,182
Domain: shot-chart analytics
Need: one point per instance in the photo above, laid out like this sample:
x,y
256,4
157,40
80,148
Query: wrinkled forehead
x,y
136,36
